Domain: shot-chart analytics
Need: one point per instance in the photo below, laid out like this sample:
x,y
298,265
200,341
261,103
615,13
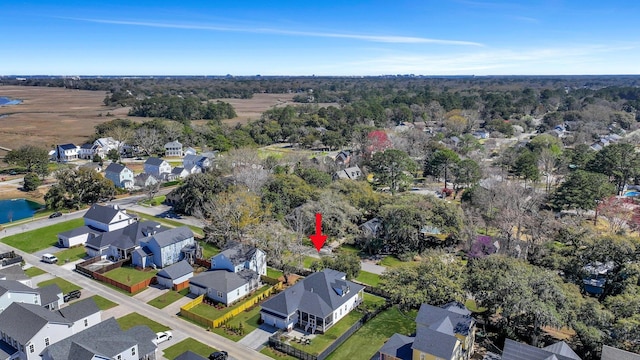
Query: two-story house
x,y
157,167
144,180
164,248
97,220
234,273
351,173
40,327
314,304
196,160
87,151
122,243
66,152
446,332
173,149
120,175
105,340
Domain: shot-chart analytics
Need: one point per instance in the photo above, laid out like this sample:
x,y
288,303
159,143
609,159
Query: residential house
x,y
51,297
240,256
105,340
173,149
157,167
40,327
595,278
144,180
121,243
15,273
611,353
120,175
97,167
514,350
189,151
88,151
314,303
351,173
481,134
343,158
164,248
77,236
176,275
105,144
370,228
66,152
446,332
178,172
107,217
196,160
13,291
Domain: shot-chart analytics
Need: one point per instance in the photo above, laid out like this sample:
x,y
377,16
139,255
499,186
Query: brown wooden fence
x,y
98,275
203,262
182,285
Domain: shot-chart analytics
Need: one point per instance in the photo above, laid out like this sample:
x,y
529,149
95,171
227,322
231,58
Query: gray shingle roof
x,y
611,353
460,319
79,309
105,339
189,355
15,286
172,236
13,272
103,213
222,280
398,346
115,168
79,231
50,294
238,253
514,350
154,161
316,294
32,319
434,342
127,237
177,270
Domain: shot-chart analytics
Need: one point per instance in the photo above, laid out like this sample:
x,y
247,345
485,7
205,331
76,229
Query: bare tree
x,y
173,130
123,135
148,140
547,163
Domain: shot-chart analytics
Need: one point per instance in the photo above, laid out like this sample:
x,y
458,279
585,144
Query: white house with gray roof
x,y
13,291
164,248
40,327
120,175
157,167
107,217
224,286
122,243
173,149
15,272
105,340
313,304
175,274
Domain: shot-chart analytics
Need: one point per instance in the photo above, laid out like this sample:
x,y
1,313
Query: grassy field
x,y
368,278
39,239
62,283
155,201
273,273
321,342
129,276
34,271
188,344
209,250
168,298
71,254
103,303
391,261
370,337
134,319
249,320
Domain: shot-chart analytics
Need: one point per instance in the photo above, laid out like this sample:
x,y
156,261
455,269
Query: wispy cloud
x,y
526,19
258,30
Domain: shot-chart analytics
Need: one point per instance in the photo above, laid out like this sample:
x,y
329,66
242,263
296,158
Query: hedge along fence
x,y
184,312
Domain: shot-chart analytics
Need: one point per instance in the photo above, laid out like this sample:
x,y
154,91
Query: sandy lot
x,y
49,116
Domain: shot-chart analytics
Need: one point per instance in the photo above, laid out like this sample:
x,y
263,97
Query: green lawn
x,y
308,260
188,344
34,271
134,319
320,342
272,354
103,303
71,254
210,312
249,320
273,273
348,248
167,298
39,239
209,250
372,301
392,261
129,276
368,278
62,283
155,201
369,338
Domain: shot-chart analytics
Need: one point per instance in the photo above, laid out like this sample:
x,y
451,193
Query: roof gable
x,y
105,214
172,236
177,270
154,161
116,168
32,319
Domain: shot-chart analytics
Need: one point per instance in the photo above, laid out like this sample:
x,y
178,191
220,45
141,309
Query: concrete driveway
x,y
258,337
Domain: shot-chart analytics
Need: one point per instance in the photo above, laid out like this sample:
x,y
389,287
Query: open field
x,y
252,109
42,238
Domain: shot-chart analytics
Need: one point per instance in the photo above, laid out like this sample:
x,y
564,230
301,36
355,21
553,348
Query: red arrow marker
x,y
318,239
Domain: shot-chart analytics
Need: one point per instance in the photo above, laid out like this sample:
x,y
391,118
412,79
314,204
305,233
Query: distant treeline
x,y
181,108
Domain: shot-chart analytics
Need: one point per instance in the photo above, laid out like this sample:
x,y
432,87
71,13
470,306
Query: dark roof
x,y
223,280
103,213
177,170
15,286
435,342
127,237
177,270
13,272
189,355
105,339
144,176
398,346
514,350
459,317
32,319
6,350
611,353
154,161
49,294
115,168
67,146
172,236
87,146
238,253
318,294
79,231
79,309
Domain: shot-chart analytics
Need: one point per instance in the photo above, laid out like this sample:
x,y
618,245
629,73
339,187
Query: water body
x,y
16,209
5,101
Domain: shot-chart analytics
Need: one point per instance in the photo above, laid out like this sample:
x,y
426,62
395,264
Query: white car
x,y
49,258
163,336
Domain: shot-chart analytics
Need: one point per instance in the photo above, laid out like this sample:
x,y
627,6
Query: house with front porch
x,y
314,304
107,217
66,152
173,149
121,243
164,248
157,167
120,175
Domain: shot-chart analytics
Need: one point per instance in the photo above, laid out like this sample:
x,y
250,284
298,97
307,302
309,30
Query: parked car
x,y
49,258
75,294
218,355
163,336
55,215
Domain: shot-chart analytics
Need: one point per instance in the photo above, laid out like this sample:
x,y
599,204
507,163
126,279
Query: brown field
x,y
49,116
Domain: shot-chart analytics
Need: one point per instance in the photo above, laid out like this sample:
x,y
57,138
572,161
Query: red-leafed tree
x,y
618,212
377,141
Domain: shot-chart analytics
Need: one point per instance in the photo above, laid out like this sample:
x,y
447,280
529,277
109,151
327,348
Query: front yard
x,y
34,271
188,344
368,278
248,319
40,239
103,304
62,283
71,254
211,312
129,276
134,319
168,298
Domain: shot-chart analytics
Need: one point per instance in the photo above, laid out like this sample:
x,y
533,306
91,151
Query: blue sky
x,y
427,37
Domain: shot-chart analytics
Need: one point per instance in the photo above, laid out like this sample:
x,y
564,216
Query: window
x,y
86,322
32,348
220,294
46,341
119,357
133,351
238,292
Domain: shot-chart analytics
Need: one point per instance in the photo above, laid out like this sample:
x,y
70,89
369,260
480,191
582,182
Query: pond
x,y
16,209
5,101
